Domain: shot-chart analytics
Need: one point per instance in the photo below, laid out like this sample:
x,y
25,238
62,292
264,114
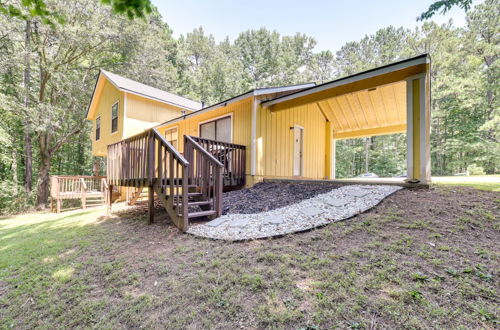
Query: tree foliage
x,y
48,71
443,6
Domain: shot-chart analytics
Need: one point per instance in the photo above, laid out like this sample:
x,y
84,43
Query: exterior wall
x,y
134,116
142,113
275,142
241,125
109,96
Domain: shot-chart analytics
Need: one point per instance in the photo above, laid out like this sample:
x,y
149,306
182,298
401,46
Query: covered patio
x,y
386,100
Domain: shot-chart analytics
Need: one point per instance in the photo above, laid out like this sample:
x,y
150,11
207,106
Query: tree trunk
x,y
43,174
43,183
28,151
28,162
14,168
96,168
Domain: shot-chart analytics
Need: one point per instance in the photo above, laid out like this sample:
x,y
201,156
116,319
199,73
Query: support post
x,y
83,194
109,200
334,159
330,152
218,191
151,204
58,205
418,128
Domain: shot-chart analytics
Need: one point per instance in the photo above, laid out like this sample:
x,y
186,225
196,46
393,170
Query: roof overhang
x,y
225,103
364,80
369,103
102,77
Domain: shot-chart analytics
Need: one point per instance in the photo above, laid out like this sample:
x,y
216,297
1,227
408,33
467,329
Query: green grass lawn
x,y
483,182
421,259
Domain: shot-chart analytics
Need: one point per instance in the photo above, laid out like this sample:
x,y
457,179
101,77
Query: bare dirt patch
x,y
420,259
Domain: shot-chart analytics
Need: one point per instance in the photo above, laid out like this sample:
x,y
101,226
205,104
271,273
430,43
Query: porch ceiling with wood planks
x,y
368,103
374,111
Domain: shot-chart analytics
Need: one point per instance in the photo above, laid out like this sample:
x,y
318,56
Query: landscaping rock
x,y
303,215
272,220
267,196
216,222
311,211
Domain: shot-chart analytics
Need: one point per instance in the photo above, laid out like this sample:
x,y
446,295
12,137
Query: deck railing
x,y
76,187
127,161
205,172
149,160
169,168
232,157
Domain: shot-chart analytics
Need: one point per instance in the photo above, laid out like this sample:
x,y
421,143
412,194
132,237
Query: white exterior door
x,y
298,148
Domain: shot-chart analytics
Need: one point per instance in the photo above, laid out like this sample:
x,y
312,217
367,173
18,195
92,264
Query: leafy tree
x,y
444,6
27,9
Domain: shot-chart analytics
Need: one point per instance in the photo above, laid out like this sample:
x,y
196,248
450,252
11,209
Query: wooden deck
x,y
88,189
193,179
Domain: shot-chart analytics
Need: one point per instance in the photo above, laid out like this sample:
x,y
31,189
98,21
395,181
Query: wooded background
x,y
48,72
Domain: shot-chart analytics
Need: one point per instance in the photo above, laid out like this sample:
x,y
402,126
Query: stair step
x,y
200,214
190,194
198,203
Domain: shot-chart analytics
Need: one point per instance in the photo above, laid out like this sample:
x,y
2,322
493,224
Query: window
x,y
171,136
219,129
98,128
114,117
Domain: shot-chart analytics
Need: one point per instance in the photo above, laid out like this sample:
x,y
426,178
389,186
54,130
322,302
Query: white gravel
x,y
338,204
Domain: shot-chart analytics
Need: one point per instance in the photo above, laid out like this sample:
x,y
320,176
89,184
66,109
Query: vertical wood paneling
x,y
242,123
277,153
109,96
143,113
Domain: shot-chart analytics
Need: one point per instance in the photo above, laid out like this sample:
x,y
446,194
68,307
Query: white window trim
x,y
230,114
118,118
95,129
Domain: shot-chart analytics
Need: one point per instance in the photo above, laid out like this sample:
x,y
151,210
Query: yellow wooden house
x,y
187,154
122,107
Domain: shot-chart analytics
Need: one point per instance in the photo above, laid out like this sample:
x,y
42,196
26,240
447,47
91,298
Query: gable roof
x,y
253,92
134,87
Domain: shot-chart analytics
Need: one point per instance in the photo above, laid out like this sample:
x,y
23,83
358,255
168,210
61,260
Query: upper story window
x,y
172,136
218,129
97,128
114,117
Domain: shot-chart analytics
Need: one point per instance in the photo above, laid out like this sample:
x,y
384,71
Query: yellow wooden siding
x,y
241,125
143,113
275,141
109,96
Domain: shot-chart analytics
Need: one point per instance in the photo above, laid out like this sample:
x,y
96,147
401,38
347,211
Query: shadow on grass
x,y
23,241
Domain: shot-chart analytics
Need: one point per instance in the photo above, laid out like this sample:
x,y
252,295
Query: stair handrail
x,y
212,186
170,148
178,199
233,158
204,151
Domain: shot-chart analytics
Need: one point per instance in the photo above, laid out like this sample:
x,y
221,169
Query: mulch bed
x,y
266,196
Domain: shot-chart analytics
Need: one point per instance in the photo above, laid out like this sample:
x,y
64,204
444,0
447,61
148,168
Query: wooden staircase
x,y
189,185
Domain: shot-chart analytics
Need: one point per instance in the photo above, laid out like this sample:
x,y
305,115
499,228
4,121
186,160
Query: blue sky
x,y
331,23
